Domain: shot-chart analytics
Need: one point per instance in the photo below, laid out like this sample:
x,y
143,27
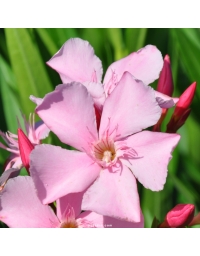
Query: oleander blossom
x,y
76,61
109,159
21,208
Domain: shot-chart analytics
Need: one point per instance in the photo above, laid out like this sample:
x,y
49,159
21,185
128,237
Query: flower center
x,y
69,224
105,151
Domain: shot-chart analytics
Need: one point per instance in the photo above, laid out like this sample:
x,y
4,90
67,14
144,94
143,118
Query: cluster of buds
x,y
182,110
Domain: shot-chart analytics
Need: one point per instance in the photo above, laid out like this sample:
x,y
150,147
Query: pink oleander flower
x,y
182,110
109,159
180,216
21,208
35,133
76,61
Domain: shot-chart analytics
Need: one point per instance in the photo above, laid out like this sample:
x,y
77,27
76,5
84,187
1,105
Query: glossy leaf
x,y
28,67
9,97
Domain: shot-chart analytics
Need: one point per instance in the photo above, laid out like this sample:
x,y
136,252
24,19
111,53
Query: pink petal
x,y
9,173
144,64
100,221
21,208
130,108
114,194
57,172
165,101
69,113
74,200
97,92
36,100
76,61
154,153
14,161
91,219
41,130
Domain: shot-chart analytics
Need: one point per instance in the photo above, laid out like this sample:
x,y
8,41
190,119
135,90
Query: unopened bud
x,y
182,110
180,216
25,148
165,82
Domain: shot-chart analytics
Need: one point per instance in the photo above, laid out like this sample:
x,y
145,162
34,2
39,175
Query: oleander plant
x,y
100,128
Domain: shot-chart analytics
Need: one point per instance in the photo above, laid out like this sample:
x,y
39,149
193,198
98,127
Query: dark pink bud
x,y
180,216
25,148
165,82
187,96
175,124
182,110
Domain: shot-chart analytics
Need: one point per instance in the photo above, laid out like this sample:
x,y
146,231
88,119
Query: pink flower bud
x,y
165,82
182,110
25,148
180,216
185,100
175,124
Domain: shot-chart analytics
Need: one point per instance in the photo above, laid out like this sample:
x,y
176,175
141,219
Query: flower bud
x,y
25,148
165,82
180,216
182,110
165,86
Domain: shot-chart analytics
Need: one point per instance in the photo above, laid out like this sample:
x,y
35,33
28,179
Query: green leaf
x,y
61,35
9,97
182,188
189,47
28,67
193,136
155,223
116,39
151,205
47,40
135,38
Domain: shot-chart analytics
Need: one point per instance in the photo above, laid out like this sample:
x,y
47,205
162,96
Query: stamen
x,y
70,224
69,219
92,135
104,151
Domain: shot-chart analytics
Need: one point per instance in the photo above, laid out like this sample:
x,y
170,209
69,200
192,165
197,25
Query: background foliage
x,y
23,72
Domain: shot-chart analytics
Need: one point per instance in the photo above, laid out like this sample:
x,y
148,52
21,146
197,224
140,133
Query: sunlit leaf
x,y
188,40
9,96
135,38
28,67
47,40
116,39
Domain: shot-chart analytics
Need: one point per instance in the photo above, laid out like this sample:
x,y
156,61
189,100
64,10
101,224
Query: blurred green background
x,y
23,72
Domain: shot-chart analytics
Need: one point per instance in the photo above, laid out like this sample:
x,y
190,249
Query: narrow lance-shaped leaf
x,y
9,96
28,67
189,48
135,38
